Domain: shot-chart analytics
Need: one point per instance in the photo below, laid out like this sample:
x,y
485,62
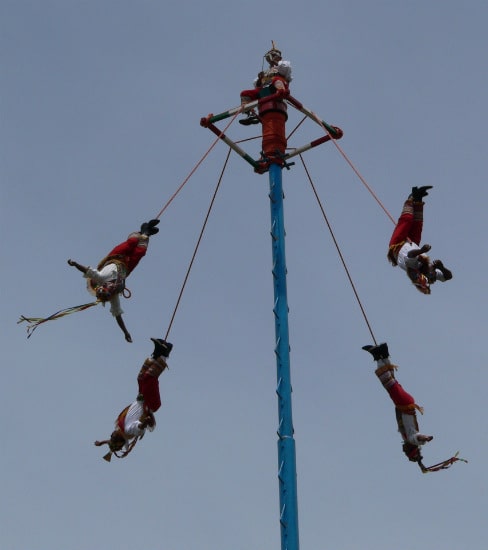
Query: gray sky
x,y
100,109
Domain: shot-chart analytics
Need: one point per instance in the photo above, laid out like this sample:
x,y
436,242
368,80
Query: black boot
x,y
418,193
161,348
149,228
250,119
378,352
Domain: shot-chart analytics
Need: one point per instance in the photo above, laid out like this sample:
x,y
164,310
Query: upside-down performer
x,y
405,250
273,113
132,422
107,281
405,410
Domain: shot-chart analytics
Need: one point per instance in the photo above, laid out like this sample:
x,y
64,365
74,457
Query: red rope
x,y
356,171
296,128
196,166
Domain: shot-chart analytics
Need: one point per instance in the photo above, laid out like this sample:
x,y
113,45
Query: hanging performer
x,y
273,113
405,250
132,422
405,410
107,282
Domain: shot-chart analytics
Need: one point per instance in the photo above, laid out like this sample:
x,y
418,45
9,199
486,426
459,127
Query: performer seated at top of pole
x,y
132,422
272,114
279,70
405,250
107,282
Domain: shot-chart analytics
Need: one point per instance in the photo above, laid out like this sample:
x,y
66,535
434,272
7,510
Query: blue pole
x,y
287,476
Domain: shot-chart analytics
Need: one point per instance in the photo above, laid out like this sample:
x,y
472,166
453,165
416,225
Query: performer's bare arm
x,y
78,266
418,251
121,324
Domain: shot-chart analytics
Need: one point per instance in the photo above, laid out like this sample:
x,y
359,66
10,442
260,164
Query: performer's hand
x,y
437,263
148,420
78,266
425,248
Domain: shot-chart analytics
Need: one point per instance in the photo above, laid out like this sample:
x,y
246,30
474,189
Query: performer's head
x,y
115,444
105,291
422,284
273,56
422,277
117,441
412,452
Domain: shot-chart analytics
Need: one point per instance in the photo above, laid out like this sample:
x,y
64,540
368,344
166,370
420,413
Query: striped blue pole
x,y
287,476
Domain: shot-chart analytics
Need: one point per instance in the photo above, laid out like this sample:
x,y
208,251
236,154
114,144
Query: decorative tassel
x,y
444,465
34,322
108,456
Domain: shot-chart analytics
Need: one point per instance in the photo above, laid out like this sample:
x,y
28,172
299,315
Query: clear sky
x,y
100,109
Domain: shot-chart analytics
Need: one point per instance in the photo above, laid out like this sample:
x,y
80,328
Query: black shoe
x,y
161,348
378,352
152,229
149,228
419,192
251,119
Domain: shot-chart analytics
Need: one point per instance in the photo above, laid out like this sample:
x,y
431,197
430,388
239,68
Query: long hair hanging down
x,y
123,454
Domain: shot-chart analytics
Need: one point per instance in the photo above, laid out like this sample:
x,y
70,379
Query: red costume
x,y
148,382
128,253
405,410
132,422
408,228
404,247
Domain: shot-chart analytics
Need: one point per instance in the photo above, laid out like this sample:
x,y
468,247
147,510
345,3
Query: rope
x,y
194,169
296,127
197,245
356,171
248,139
339,251
287,138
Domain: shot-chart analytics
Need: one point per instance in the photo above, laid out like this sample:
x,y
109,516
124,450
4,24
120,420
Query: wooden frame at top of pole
x,y
261,165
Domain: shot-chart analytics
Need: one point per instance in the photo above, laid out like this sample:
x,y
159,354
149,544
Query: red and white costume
x,y
117,266
405,406
405,410
148,401
405,238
